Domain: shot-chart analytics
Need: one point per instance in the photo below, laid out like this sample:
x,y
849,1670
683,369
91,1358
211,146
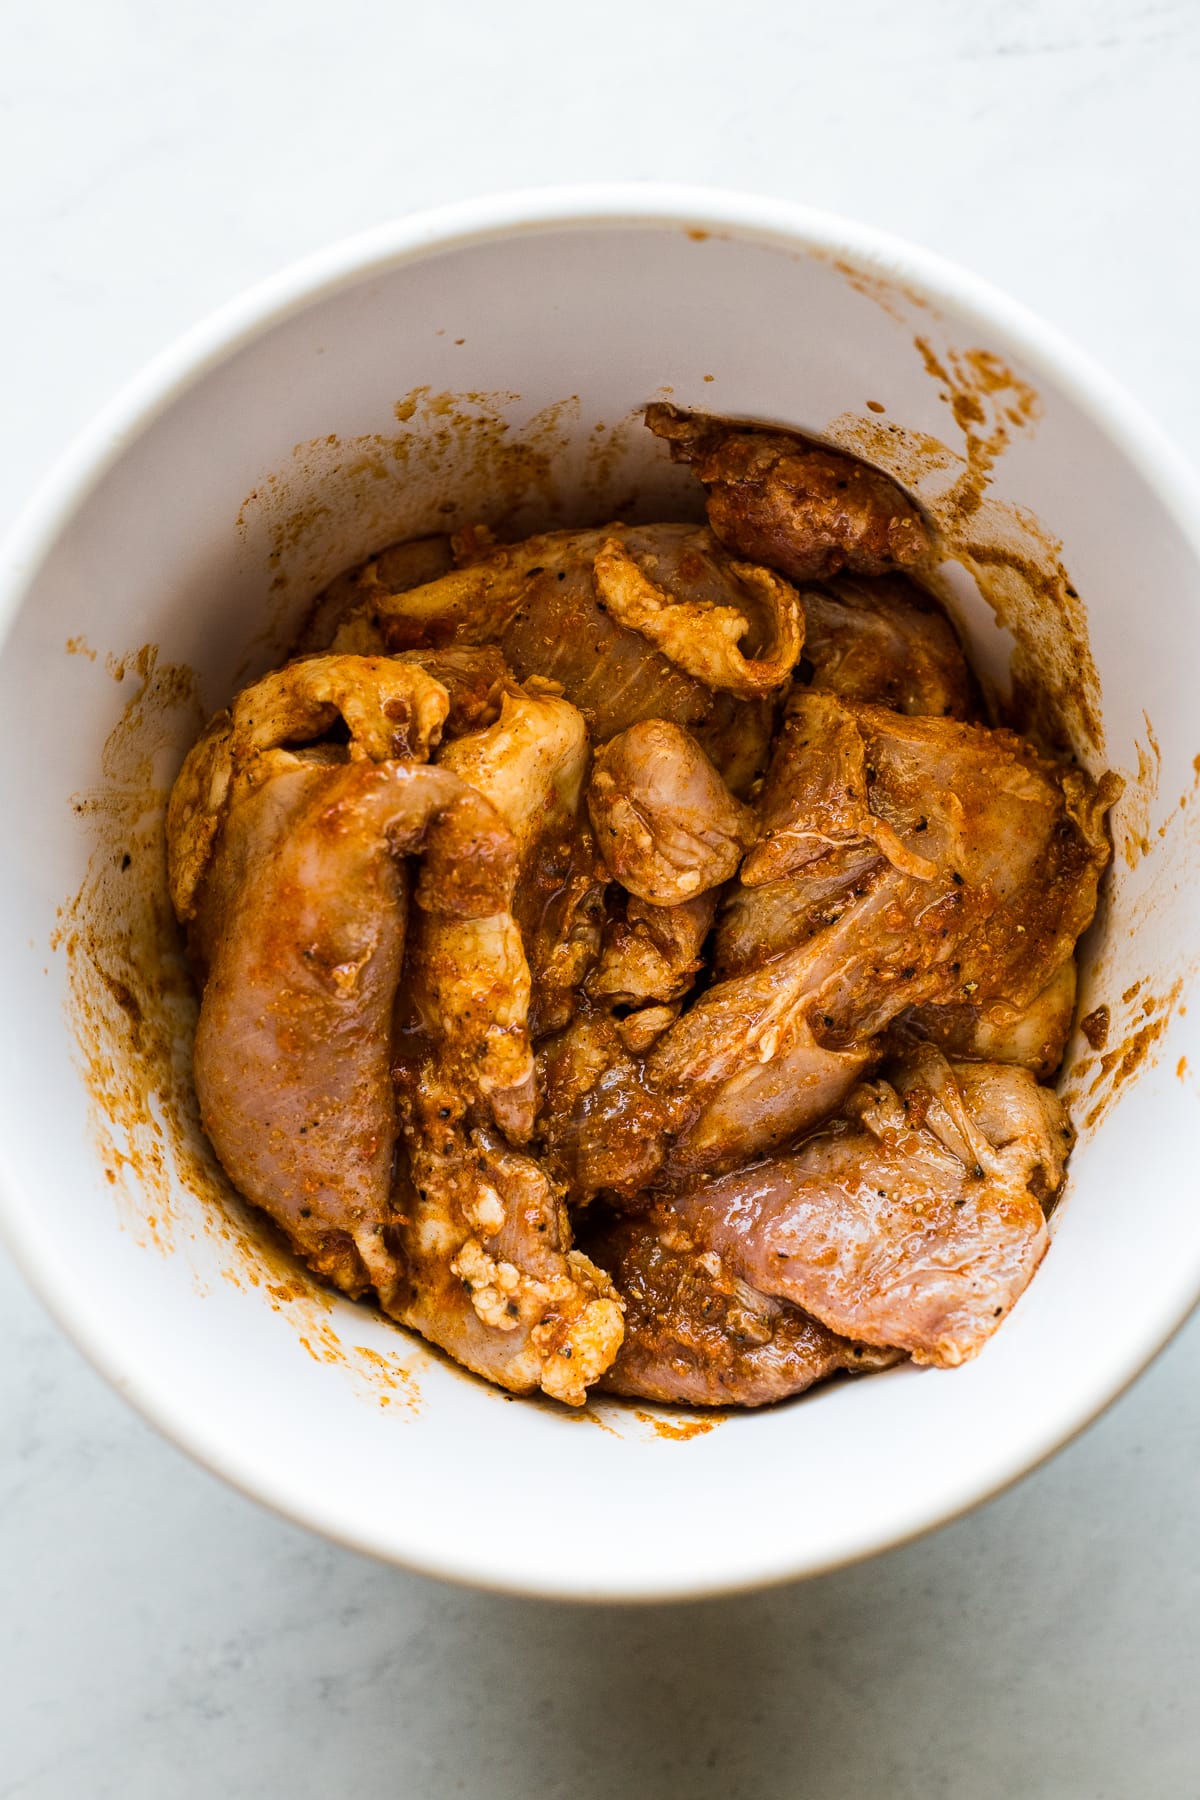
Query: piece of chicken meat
x,y
665,823
304,921
989,855
348,596
697,1334
914,1219
1034,1035
792,504
602,1124
476,679
886,642
634,622
929,862
488,1272
472,983
297,901
650,955
911,863
670,832
384,710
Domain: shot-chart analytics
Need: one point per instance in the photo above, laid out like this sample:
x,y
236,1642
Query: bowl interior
x,y
497,377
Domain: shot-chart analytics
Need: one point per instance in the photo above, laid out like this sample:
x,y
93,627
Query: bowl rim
x,y
437,231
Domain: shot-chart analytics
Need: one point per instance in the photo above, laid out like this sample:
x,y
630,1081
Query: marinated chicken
x,y
288,866
632,957
482,1231
797,506
697,1334
911,1221
883,642
620,618
929,863
666,825
486,1269
914,1219
651,953
602,1123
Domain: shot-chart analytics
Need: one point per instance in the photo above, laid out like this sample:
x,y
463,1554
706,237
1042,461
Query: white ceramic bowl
x,y
289,435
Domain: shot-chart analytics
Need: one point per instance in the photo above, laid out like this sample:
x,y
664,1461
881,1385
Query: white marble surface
x,y
161,1637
